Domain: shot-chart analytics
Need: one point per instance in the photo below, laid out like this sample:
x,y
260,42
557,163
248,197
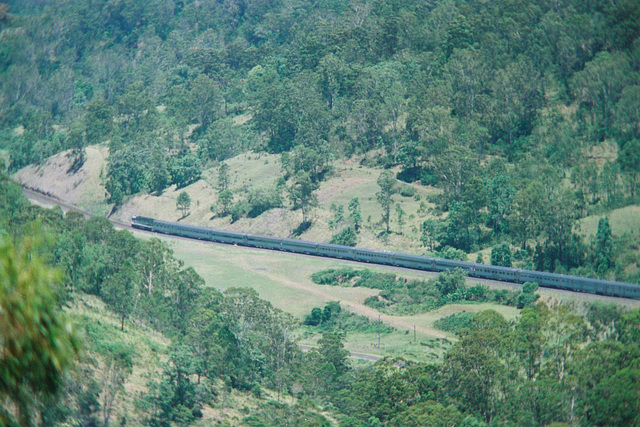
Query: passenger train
x,y
550,280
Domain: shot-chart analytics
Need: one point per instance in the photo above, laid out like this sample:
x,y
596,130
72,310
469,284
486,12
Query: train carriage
x,y
300,246
418,262
336,251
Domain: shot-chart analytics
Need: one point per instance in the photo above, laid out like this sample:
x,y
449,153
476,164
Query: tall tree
x,y
501,255
37,345
354,213
302,194
223,177
455,167
183,203
524,219
388,187
474,373
204,101
603,250
599,87
629,159
120,292
333,351
500,201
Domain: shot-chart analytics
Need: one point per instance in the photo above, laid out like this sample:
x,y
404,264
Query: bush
x,y
452,253
407,191
505,297
527,297
455,323
239,210
501,255
428,177
369,279
332,317
450,282
261,200
410,174
375,302
334,276
185,170
315,318
347,237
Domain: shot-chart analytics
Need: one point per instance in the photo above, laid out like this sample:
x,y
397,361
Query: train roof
x,y
463,264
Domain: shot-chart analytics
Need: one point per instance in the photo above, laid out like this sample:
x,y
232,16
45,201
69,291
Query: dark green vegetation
x,y
550,365
400,296
333,318
524,115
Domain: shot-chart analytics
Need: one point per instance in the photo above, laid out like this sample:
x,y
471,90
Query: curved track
x,y
550,294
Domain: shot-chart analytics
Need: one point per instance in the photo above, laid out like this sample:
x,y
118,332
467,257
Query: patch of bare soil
x,y
83,188
353,306
340,185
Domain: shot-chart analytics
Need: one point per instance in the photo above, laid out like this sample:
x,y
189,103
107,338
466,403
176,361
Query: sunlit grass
x,y
149,348
284,280
623,220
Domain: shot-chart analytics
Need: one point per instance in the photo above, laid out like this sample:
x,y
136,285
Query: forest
x,y
523,116
526,117
557,364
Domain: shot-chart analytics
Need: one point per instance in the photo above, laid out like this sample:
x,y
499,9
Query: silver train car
x,y
417,262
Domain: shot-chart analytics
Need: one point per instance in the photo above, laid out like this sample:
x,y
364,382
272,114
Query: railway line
x,y
482,273
387,258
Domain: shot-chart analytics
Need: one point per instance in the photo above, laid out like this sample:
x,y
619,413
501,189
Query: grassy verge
x,y
284,280
623,220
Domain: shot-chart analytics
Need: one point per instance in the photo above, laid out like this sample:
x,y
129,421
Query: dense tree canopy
x,y
442,90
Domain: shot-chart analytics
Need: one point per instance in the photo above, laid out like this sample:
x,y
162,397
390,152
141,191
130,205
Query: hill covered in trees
x,y
144,342
526,116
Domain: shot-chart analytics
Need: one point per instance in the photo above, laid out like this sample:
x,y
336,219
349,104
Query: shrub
x,y
527,296
334,276
261,200
407,191
347,237
239,210
455,323
452,253
375,302
501,255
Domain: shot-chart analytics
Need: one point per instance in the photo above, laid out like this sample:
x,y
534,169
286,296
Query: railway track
x,y
39,197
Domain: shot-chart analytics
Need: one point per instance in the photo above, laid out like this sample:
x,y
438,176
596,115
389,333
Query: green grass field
x,y
284,280
623,220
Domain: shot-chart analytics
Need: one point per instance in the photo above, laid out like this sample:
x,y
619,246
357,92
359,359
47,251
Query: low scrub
x,y
400,296
455,323
332,317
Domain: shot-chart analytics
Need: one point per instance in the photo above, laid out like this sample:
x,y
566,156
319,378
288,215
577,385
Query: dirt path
x,y
364,356
353,306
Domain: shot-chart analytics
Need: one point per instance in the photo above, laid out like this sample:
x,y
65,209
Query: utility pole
x,y
379,322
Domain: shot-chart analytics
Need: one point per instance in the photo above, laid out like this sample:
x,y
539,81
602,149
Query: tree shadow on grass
x,y
304,226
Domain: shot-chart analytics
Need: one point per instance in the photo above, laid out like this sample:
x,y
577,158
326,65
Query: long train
x,y
550,280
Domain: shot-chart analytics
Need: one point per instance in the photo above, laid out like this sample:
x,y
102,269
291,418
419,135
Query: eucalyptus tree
x,y
388,187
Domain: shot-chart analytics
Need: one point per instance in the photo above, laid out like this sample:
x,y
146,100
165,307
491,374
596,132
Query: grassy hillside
x,y
284,280
85,189
490,110
99,331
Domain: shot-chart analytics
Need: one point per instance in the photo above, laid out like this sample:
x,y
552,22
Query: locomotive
x,y
416,262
